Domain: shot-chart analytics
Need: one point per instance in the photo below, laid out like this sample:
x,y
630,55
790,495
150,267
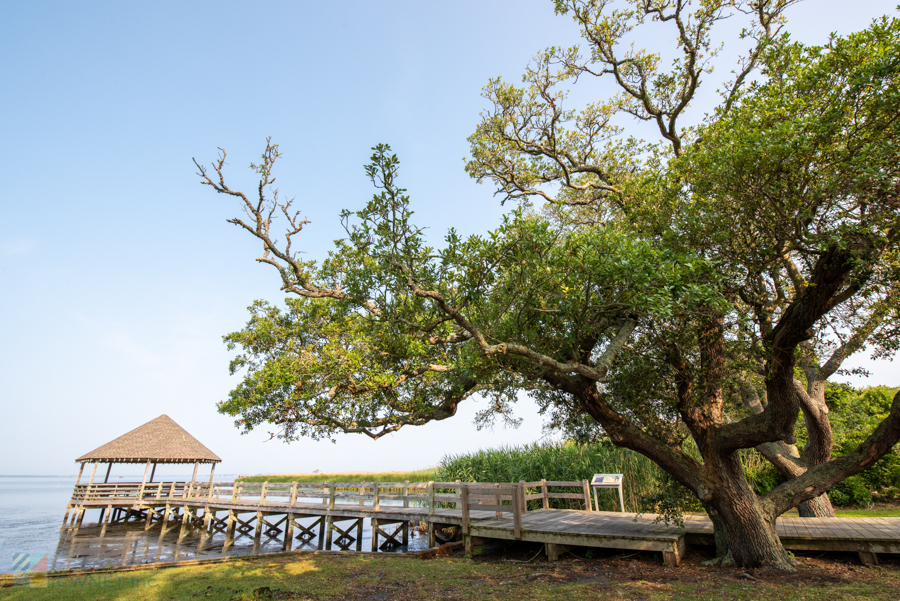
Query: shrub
x,y
852,491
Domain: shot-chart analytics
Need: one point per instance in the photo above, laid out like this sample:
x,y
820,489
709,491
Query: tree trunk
x,y
785,457
723,553
820,507
820,443
749,530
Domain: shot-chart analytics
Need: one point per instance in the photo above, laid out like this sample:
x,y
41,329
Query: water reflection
x,y
93,546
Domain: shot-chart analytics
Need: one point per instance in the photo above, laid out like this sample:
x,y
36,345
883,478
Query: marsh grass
x,y
566,461
412,476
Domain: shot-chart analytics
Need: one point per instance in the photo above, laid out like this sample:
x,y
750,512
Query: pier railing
x,y
474,500
493,497
545,494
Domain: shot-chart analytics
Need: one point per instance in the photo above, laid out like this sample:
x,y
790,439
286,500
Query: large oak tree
x,y
681,294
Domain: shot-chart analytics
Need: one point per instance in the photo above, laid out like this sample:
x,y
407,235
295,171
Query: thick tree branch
x,y
818,479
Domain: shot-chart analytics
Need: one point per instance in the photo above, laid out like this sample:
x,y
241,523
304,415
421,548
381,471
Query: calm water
x,y
31,513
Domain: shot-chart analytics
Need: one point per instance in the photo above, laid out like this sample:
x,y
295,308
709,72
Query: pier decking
x,y
480,510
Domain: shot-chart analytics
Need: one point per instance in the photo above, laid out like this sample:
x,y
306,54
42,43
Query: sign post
x,y
608,481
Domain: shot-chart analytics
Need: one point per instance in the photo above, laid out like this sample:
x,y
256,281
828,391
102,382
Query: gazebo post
x,y
144,481
69,505
193,478
103,509
212,471
140,495
86,496
150,510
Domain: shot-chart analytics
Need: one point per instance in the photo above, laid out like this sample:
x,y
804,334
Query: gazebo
x,y
160,440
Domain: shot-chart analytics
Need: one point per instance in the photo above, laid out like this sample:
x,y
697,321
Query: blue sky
x,y
119,273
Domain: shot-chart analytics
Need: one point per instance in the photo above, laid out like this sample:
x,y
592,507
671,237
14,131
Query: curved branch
x,y
820,478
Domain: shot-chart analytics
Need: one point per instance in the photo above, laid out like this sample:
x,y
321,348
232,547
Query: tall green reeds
x,y
559,461
413,476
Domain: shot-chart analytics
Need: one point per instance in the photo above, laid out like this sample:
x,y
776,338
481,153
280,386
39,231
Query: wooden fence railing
x,y
544,493
493,497
433,497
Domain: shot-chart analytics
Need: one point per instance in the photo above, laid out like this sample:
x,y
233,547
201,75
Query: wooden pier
x,y
335,514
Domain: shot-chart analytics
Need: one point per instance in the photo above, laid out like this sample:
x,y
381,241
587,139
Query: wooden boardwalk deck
x,y
866,536
480,510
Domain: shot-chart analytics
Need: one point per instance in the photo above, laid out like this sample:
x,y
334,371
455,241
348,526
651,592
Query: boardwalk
x,y
866,536
479,510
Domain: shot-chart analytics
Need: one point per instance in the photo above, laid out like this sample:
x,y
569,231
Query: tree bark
x,y
820,507
723,553
820,443
749,530
789,462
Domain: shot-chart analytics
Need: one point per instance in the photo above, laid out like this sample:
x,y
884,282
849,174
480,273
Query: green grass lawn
x,y
384,577
858,512
886,512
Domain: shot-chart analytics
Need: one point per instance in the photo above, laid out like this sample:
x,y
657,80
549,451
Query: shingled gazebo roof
x,y
160,440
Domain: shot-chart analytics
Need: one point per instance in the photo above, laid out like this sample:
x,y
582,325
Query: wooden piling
x,y
229,530
109,510
374,534
552,551
259,526
289,531
185,515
